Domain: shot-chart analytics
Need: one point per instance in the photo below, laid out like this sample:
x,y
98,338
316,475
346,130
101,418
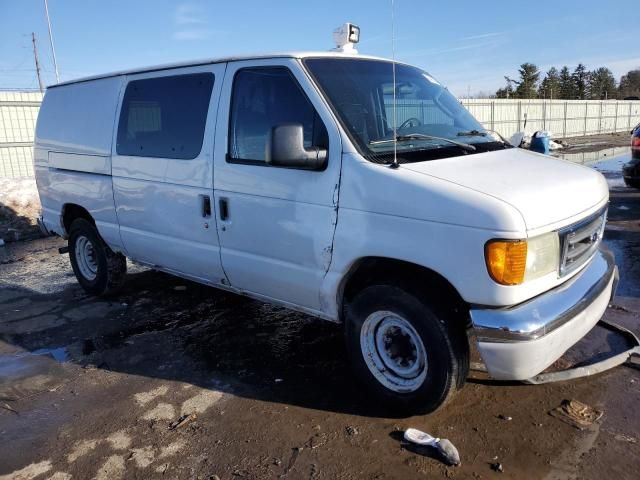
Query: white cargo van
x,y
330,184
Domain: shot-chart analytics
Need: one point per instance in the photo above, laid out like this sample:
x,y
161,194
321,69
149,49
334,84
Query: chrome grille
x,y
580,241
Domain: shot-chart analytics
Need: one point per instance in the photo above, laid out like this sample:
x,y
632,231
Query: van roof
x,y
208,61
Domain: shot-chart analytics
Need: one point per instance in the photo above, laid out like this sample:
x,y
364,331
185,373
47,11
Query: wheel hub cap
x,y
86,258
393,351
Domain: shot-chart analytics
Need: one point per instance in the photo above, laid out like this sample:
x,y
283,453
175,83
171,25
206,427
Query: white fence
x,y
18,114
563,118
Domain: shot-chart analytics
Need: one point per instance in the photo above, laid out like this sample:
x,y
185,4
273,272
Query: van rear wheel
x,y
402,351
99,270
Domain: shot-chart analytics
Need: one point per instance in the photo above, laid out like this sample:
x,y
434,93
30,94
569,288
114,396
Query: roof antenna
x,y
395,115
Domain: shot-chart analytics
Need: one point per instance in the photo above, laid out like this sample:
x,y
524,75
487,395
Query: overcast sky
x,y
468,45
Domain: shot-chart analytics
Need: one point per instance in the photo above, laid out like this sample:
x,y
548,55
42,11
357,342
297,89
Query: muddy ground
x,y
91,387
594,143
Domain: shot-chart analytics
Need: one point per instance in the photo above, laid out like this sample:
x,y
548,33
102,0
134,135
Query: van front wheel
x,y
99,270
408,357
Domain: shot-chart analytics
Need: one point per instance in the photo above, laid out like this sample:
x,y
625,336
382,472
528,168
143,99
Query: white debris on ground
x,y
523,140
553,145
19,208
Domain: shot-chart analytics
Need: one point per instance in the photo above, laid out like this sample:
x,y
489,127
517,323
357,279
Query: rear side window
x,y
165,116
263,98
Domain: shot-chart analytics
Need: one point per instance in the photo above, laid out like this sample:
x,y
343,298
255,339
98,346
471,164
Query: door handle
x,y
206,206
224,208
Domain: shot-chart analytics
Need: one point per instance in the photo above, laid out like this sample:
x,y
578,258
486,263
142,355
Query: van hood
x,y
545,190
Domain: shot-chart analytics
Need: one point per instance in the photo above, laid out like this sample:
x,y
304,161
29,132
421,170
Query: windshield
x,y
427,116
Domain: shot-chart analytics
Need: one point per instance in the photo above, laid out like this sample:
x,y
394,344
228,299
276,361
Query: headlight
x,y
511,262
543,255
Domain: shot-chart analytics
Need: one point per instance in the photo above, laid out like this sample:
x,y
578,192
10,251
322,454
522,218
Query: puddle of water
x,y
610,158
608,161
24,372
21,361
60,354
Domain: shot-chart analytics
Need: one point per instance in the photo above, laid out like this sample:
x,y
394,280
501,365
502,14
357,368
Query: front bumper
x,y
518,342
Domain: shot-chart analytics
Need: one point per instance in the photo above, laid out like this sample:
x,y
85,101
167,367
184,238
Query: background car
x,y
631,171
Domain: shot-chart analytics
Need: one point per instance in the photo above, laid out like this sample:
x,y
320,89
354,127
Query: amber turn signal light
x,y
506,260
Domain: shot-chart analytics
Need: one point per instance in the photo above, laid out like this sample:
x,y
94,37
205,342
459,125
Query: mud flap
x,y
631,356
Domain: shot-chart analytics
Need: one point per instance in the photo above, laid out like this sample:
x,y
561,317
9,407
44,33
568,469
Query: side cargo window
x,y
165,117
263,98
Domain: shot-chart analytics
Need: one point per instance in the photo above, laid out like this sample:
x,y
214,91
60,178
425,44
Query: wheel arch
x,y
419,279
72,211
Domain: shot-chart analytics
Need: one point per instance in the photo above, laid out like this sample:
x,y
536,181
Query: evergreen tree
x,y
506,92
630,84
550,85
579,85
567,90
602,84
527,86
580,78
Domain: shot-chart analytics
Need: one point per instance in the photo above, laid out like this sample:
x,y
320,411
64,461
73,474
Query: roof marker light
x,y
345,37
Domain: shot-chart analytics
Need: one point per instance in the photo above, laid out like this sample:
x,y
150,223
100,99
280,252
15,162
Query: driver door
x,y
275,224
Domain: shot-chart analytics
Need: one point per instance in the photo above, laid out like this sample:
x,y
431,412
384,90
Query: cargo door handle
x,y
206,206
224,208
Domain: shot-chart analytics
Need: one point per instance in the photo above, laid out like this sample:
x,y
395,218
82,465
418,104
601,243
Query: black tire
x,y
111,267
633,183
445,344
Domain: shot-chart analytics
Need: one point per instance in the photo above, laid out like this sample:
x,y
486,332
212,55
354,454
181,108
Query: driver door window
x,y
263,98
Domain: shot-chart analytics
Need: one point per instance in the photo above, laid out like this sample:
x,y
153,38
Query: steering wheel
x,y
410,122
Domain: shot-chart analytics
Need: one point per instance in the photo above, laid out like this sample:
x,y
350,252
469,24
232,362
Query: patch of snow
x,y
143,398
615,181
81,448
19,208
29,472
21,194
163,411
172,449
112,469
201,402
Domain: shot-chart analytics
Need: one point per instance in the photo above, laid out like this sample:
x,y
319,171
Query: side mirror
x,y
285,148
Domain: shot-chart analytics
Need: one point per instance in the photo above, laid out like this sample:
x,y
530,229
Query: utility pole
x,y
53,50
35,57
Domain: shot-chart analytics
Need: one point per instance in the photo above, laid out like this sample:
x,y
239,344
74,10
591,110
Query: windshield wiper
x,y
478,133
420,136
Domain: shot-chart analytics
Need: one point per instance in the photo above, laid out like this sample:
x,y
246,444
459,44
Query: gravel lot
x,y
93,388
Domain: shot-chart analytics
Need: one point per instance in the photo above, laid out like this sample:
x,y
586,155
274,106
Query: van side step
x,y
63,250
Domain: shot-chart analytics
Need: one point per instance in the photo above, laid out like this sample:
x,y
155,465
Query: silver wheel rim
x,y
86,258
393,351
